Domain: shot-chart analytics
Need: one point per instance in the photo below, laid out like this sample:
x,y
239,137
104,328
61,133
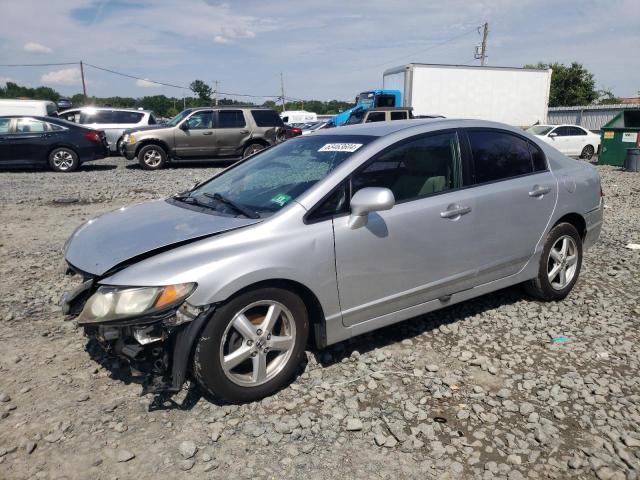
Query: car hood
x,y
103,243
147,127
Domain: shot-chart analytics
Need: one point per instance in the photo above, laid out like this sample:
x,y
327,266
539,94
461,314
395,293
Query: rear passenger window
x,y
575,131
498,155
266,118
375,117
4,125
398,115
152,120
127,117
100,116
537,157
415,169
30,125
230,119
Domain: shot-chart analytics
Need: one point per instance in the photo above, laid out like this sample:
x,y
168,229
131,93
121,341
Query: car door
x,y
6,149
196,137
560,139
419,250
231,132
578,140
515,194
29,141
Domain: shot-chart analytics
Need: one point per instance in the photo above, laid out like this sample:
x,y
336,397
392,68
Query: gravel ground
x,y
478,390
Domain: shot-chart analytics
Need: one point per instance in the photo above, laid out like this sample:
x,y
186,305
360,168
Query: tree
x,y
201,89
570,85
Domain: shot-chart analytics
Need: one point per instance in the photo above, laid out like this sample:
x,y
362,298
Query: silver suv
x,y
113,121
204,133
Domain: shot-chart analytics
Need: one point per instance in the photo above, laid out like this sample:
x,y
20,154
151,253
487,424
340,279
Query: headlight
x,y
131,138
116,303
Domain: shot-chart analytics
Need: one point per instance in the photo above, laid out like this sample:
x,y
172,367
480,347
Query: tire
x,y
244,381
587,152
553,288
119,147
63,159
252,149
152,157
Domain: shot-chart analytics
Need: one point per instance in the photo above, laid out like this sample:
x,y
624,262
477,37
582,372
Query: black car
x,y
45,140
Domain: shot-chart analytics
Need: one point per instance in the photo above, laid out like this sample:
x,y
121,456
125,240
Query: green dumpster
x,y
619,134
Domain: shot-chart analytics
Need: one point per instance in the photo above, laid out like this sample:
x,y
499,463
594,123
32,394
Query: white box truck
x,y
516,96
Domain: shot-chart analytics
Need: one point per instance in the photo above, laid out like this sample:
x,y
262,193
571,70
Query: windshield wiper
x,y
181,197
247,212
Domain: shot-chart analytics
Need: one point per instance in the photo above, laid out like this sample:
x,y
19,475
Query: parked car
x,y
291,117
204,133
62,145
38,108
381,114
327,236
113,121
312,127
64,104
569,139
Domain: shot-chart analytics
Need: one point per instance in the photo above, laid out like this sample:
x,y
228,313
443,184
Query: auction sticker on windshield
x,y
281,199
340,147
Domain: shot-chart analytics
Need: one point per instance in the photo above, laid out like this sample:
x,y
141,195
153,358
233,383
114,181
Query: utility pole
x,y
84,86
282,90
483,49
216,91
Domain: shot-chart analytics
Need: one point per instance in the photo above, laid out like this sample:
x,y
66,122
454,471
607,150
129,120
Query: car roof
x,y
229,107
119,109
380,129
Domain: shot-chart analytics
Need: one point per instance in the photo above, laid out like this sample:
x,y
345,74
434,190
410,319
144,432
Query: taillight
x,y
92,137
296,131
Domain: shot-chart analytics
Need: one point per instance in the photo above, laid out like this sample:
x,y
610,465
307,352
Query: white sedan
x,y
569,139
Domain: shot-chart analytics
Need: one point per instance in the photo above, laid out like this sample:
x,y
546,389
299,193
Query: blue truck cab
x,y
370,99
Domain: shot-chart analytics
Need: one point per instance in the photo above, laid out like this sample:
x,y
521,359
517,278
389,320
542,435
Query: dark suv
x,y
204,133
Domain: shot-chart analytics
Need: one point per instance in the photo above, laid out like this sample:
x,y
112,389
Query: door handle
x,y
455,211
208,133
244,131
539,191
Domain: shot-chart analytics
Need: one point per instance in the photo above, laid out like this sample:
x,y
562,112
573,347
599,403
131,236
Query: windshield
x,y
366,98
355,117
274,178
178,118
540,129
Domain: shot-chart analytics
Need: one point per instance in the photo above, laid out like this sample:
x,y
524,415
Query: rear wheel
x,y
63,160
152,157
587,152
252,149
560,264
252,346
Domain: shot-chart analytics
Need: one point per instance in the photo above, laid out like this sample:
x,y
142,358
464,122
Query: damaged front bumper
x,y
157,347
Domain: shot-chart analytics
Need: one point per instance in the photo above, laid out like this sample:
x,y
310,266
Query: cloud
x,y
146,84
33,47
66,76
4,80
221,39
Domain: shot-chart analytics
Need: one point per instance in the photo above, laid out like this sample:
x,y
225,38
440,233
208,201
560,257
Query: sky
x,y
327,49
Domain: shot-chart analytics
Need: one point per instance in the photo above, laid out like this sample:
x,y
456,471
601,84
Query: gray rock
x,y
125,455
186,464
354,424
187,449
4,397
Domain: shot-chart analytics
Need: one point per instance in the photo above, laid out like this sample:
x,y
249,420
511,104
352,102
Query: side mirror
x,y
184,126
553,135
367,200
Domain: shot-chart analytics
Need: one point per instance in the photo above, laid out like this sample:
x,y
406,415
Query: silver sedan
x,y
324,237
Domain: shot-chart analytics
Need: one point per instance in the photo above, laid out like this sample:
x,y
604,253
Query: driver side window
x,y
200,120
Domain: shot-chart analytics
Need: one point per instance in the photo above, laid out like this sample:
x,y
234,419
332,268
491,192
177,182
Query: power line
x,y
136,78
439,44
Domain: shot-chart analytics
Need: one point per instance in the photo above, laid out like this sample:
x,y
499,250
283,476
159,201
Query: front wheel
x,y
63,160
152,157
252,149
587,152
560,264
252,346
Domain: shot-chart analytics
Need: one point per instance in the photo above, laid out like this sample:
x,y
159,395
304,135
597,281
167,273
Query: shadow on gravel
x,y
416,326
86,167
191,164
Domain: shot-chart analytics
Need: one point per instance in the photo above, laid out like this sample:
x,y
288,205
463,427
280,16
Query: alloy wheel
x,y
562,262
252,150
152,158
587,152
257,343
63,160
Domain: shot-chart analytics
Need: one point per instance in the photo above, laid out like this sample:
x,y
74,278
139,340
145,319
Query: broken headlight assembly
x,y
109,303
